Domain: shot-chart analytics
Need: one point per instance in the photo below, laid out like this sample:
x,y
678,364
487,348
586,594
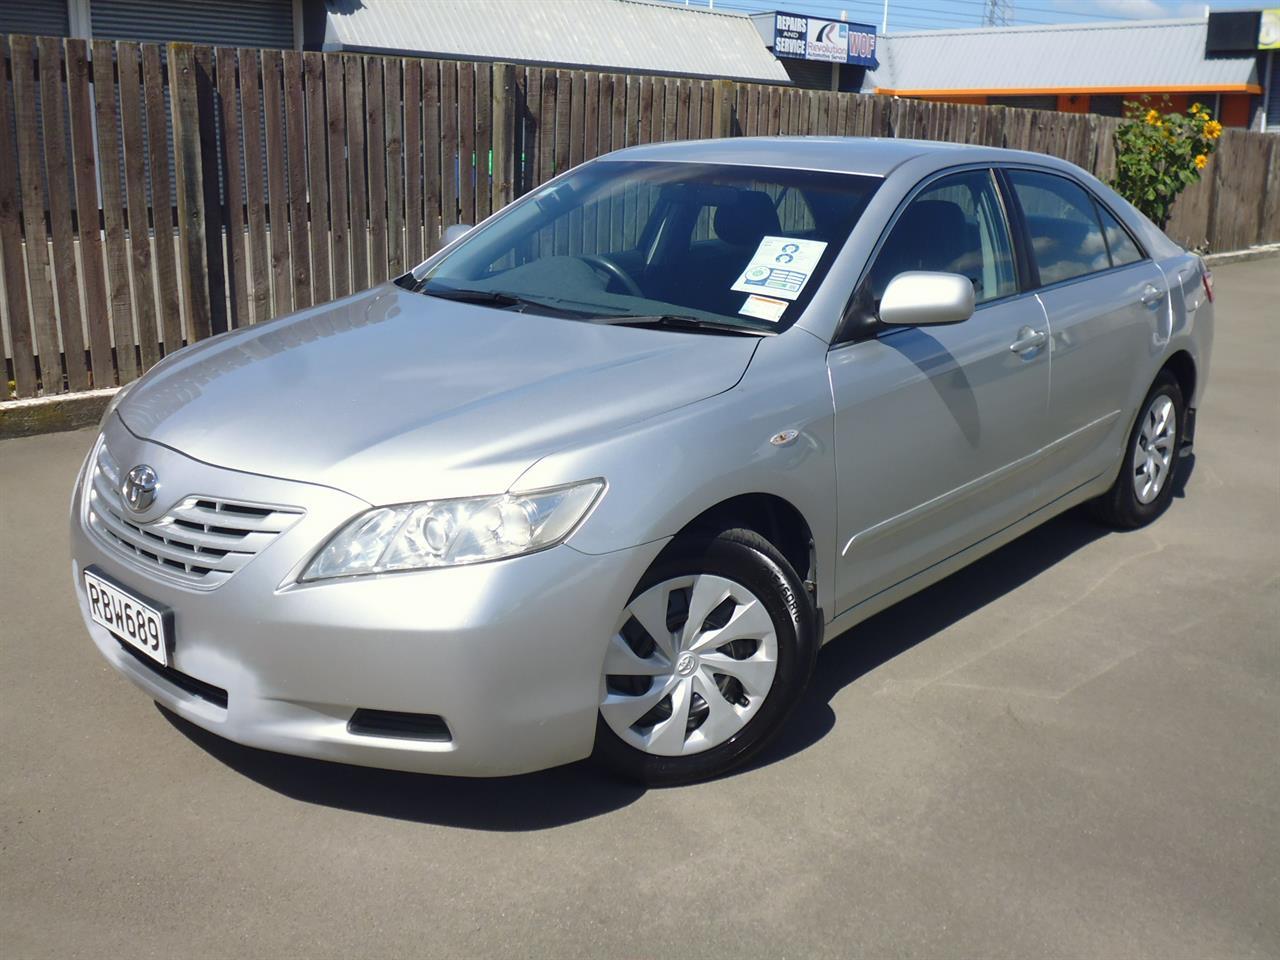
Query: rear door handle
x,y
1028,340
1151,295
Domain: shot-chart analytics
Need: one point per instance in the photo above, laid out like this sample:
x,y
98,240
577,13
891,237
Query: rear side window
x,y
1123,250
955,225
1062,221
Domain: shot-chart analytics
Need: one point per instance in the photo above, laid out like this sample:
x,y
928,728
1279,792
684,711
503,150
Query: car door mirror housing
x,y
456,231
921,298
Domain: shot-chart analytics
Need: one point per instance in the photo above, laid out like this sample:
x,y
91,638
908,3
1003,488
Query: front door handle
x,y
1151,295
1028,340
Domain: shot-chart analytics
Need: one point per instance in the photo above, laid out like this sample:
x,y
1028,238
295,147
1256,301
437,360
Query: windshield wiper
x,y
678,321
500,298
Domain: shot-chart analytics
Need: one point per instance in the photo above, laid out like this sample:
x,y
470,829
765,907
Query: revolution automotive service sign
x,y
831,41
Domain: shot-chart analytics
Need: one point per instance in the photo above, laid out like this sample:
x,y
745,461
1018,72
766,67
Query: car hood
x,y
394,396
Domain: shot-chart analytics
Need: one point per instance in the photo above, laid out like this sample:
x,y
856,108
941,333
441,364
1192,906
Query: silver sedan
x,y
602,475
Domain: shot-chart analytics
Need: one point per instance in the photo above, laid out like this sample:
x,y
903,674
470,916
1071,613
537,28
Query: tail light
x,y
1206,277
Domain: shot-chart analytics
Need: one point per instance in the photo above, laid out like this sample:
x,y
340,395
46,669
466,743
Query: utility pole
x,y
884,24
998,13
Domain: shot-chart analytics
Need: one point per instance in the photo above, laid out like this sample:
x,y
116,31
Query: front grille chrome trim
x,y
202,541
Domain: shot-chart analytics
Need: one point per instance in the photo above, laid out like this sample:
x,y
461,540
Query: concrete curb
x,y
1239,256
26,418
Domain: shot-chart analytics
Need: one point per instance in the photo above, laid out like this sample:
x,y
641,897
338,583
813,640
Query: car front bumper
x,y
508,653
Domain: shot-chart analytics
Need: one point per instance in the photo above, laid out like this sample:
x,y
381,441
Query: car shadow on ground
x,y
580,791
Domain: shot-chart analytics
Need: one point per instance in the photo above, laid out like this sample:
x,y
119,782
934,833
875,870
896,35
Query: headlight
x,y
446,533
113,403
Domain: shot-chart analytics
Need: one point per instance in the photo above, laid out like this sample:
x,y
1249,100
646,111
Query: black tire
x,y
1120,507
748,559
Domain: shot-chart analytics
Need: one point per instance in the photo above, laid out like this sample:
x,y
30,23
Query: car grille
x,y
202,541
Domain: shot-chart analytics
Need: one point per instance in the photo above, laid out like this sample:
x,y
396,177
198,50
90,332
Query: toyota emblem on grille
x,y
139,488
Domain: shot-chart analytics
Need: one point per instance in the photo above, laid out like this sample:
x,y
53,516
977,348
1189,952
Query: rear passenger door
x,y
1106,302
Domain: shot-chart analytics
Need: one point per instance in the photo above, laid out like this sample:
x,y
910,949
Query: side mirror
x,y
456,232
921,298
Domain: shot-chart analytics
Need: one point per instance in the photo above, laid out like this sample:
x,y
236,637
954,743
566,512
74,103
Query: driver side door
x,y
937,428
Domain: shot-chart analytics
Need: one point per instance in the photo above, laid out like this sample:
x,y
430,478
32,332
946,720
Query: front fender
x,y
665,471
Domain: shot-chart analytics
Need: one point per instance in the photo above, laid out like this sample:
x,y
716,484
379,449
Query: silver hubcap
x,y
691,662
1153,453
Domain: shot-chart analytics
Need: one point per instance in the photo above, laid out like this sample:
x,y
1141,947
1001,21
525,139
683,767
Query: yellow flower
x,y
1153,118
1202,116
1213,129
1197,107
1201,161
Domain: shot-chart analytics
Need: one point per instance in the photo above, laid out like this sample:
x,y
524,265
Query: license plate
x,y
142,624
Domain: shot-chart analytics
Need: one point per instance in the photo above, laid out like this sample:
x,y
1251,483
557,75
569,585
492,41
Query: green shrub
x,y
1160,154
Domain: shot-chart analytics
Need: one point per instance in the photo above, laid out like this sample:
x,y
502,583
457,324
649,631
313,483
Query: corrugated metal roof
x,y
628,35
1076,56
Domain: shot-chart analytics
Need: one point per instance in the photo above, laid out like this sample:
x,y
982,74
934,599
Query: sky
x,y
908,15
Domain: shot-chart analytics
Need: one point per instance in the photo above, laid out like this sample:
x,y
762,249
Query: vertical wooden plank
x,y
317,175
393,124
168,315
532,148
695,109
128,58
192,241
432,137
631,120
564,104
85,171
450,164
296,153
577,117
31,175
110,177
66,285
591,117
277,189
564,112
502,184
467,141
15,281
336,135
644,129
255,183
233,182
670,107
484,140
413,161
682,110
359,230
207,119
376,142
547,127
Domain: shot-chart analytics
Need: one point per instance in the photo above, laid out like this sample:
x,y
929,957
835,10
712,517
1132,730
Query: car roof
x,y
872,156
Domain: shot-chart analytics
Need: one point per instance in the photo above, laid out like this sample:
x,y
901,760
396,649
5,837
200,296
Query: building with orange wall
x,y
1078,68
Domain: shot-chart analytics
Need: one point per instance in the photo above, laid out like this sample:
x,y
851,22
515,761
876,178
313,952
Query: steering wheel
x,y
605,265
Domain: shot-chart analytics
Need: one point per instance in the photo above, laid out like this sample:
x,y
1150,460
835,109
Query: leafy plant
x,y
1161,153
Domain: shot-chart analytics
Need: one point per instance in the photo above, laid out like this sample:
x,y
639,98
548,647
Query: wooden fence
x,y
151,196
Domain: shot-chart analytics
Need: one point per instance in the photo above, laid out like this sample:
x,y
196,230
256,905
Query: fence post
x,y
192,240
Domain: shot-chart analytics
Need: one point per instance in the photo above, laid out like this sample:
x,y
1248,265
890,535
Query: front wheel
x,y
1144,487
708,658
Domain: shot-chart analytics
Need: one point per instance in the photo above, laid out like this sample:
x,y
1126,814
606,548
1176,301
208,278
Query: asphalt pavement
x,y
1070,749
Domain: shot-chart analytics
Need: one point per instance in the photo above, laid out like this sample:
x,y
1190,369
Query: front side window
x,y
733,245
1062,221
955,225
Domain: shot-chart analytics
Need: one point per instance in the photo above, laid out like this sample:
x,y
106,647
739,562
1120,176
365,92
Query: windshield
x,y
687,244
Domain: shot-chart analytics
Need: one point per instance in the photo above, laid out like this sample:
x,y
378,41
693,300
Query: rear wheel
x,y
1144,488
708,658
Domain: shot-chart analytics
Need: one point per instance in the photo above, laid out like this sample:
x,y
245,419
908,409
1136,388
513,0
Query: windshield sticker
x,y
780,267
763,308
